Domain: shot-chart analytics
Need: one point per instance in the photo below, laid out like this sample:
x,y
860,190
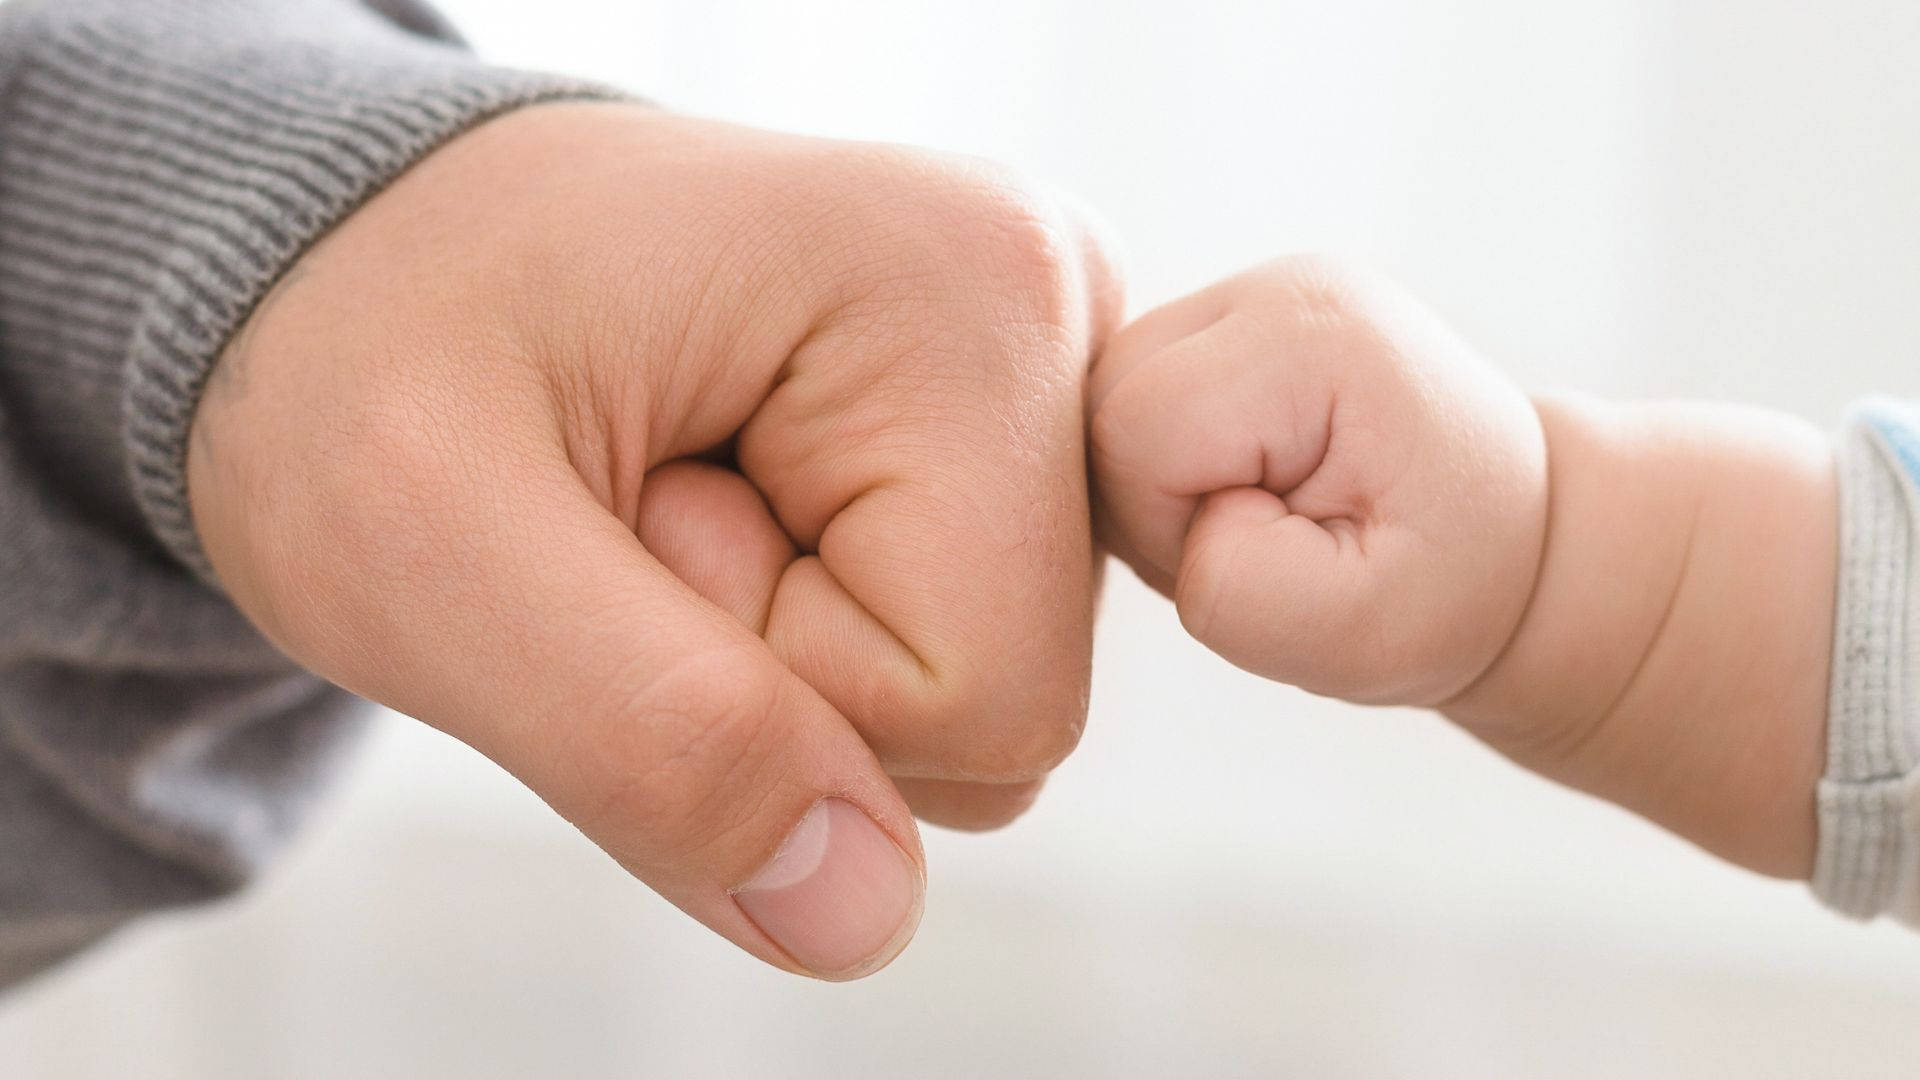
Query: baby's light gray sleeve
x,y
1868,861
161,163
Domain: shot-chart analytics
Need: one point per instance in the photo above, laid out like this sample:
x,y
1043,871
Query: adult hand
x,y
725,487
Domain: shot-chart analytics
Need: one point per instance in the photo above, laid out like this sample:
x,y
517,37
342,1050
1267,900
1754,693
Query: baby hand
x,y
1339,494
1335,491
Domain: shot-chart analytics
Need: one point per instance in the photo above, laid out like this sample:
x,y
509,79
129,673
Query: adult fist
x,y
725,487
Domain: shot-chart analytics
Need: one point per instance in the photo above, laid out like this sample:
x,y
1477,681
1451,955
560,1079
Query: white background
x,y
1231,879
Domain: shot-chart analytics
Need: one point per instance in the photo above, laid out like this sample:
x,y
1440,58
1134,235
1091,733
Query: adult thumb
x,y
523,618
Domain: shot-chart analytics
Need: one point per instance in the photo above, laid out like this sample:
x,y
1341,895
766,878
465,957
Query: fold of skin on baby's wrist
x,y
1673,656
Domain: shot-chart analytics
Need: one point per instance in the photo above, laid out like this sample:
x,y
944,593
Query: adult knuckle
x,y
681,747
981,808
969,226
1017,259
987,817
1002,739
1006,232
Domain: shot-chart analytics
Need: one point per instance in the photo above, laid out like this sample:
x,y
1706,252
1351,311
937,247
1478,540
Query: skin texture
x,y
1336,492
696,475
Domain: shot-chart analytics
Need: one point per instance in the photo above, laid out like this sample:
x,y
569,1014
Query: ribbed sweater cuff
x,y
191,150
1869,800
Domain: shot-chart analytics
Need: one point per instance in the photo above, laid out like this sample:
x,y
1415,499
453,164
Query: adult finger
x,y
926,450
502,603
711,529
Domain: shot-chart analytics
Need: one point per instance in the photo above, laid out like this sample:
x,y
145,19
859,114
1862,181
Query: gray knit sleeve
x,y
161,163
1868,861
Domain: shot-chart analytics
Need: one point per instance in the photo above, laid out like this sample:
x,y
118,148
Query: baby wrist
x,y
1673,658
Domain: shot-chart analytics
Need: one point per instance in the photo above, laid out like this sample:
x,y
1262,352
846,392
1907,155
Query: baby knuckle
x,y
1125,447
1314,268
1308,292
1108,431
1203,588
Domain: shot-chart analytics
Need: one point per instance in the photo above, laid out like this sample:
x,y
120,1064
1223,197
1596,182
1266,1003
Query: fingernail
x,y
839,896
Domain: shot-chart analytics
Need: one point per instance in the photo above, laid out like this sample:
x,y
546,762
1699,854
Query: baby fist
x,y
1335,490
